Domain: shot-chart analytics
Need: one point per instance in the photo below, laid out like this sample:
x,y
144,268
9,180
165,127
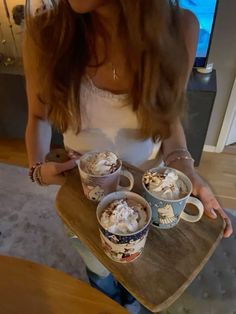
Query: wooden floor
x,y
231,149
218,169
13,151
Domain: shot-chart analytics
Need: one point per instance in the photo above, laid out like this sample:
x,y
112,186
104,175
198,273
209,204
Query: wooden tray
x,y
171,258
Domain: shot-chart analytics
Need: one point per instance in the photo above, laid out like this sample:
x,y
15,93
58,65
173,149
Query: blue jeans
x,y
99,277
111,287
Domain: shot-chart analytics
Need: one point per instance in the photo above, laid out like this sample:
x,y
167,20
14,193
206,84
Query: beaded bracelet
x,y
37,176
32,170
178,158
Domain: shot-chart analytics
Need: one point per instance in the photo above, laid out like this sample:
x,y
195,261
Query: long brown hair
x,y
62,43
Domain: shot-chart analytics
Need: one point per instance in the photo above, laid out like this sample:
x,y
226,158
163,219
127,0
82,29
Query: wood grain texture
x,y
30,288
13,152
230,149
219,170
171,258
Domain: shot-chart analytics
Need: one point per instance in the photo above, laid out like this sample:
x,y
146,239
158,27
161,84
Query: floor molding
x,y
209,149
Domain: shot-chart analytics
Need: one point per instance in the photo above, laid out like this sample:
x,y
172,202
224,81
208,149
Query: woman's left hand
x,y
211,205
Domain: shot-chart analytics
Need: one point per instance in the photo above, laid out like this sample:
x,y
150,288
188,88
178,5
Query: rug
x,y
29,225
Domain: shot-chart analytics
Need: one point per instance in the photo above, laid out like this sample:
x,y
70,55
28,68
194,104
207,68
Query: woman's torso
x,y
109,123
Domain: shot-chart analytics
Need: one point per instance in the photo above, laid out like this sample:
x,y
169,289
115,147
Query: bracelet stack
x,y
176,155
35,174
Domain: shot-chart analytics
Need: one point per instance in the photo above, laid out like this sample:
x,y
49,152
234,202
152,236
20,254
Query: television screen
x,y
205,11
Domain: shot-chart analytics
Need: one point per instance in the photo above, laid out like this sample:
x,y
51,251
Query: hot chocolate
x,y
100,164
124,216
165,185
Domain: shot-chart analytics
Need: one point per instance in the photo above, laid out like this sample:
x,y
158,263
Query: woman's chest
x,y
113,72
111,78
103,110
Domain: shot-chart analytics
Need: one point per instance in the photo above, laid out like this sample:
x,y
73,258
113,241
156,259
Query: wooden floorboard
x,y
13,151
219,170
231,149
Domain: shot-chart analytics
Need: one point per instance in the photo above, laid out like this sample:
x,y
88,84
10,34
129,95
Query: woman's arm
x,y
172,146
38,130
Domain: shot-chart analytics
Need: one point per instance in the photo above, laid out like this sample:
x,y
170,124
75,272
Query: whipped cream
x,y
165,185
124,217
100,164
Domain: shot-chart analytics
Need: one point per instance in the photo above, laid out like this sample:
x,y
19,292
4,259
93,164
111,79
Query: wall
x,y
223,54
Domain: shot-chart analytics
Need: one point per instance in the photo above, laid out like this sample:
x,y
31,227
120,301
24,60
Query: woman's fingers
x,y
53,172
228,225
211,213
208,200
73,154
212,207
228,228
65,166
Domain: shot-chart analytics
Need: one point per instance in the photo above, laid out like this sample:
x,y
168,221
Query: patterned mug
x,y
166,213
95,187
124,248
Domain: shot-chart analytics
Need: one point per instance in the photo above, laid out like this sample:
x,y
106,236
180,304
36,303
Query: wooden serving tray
x,y
171,258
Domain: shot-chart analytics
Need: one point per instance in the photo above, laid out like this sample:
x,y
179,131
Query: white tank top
x,y
109,123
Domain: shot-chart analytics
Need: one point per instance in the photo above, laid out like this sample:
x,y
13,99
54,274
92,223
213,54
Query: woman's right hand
x,y
54,172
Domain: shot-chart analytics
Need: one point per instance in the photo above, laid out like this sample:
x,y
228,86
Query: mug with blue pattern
x,y
166,213
123,248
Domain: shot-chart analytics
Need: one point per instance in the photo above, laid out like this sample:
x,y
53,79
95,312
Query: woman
x,y
111,75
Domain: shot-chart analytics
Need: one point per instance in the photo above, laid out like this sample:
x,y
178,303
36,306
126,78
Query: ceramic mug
x,y
166,213
95,187
123,248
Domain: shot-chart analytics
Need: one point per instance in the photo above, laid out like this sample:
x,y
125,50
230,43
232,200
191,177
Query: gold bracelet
x,y
176,151
178,158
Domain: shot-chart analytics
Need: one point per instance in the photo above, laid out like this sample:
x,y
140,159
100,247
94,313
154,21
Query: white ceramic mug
x,y
166,213
95,187
123,248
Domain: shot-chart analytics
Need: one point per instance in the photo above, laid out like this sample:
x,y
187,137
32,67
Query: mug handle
x,y
199,205
130,177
